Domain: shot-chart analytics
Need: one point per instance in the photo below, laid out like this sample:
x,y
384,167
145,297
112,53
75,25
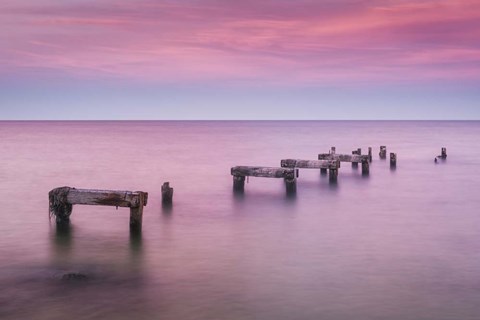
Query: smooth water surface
x,y
397,244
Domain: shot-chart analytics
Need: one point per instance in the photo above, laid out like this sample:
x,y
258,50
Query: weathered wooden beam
x,y
343,157
310,164
370,154
265,172
104,197
62,199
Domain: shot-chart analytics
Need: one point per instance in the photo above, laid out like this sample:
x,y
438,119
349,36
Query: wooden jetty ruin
x,y
240,172
62,199
354,158
331,165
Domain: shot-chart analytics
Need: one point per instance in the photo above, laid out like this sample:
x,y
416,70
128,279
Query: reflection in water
x,y
61,242
167,208
136,252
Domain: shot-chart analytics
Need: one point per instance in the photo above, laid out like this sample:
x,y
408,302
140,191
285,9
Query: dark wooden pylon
x,y
167,193
393,159
383,152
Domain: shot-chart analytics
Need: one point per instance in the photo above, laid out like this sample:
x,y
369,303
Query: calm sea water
x,y
398,244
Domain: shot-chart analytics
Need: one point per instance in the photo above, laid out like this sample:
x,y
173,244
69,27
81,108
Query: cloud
x,y
269,42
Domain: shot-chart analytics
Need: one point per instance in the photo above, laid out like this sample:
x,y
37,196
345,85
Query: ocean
x,y
399,243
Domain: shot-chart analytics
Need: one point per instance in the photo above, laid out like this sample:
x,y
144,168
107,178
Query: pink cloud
x,y
272,42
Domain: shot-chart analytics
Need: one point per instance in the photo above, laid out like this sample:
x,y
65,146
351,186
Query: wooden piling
x,y
332,150
167,193
333,174
393,159
355,164
383,152
370,154
365,167
238,183
61,201
136,214
444,153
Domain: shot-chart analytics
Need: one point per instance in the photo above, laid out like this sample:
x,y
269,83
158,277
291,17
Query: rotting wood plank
x,y
105,197
265,172
310,164
343,157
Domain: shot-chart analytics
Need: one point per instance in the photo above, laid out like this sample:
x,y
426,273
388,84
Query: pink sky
x,y
271,42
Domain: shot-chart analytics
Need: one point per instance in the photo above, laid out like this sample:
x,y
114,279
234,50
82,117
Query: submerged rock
x,y
74,276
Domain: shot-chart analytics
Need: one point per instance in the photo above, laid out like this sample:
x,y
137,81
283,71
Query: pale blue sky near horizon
x,y
97,101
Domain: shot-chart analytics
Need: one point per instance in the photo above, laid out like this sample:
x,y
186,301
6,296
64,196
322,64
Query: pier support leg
x,y
136,214
444,153
383,152
370,154
355,164
291,185
238,183
333,174
167,193
393,159
365,168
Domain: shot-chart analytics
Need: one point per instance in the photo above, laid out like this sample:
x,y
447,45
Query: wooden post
x,y
355,164
167,193
136,214
365,167
393,159
238,183
332,150
370,154
333,174
323,171
291,185
444,153
383,152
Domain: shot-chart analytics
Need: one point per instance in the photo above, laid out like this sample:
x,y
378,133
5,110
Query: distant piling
x,y
167,193
370,154
393,159
354,164
365,167
383,152
444,153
